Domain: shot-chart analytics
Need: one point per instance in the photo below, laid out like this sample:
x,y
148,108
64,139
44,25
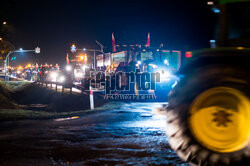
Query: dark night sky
x,y
54,25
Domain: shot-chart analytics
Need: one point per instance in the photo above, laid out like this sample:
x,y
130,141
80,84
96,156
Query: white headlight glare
x,y
84,67
68,68
166,62
54,75
154,66
165,75
62,79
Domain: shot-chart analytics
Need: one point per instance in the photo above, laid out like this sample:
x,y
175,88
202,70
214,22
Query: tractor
x,y
208,111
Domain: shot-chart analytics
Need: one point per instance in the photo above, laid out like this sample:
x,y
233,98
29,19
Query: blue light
x,y
20,49
212,43
84,49
166,62
216,10
138,62
175,83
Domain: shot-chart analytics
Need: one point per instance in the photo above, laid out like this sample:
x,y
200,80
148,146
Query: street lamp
x,y
4,23
6,62
101,46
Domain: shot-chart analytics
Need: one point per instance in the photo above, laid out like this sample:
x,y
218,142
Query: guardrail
x,y
69,86
57,84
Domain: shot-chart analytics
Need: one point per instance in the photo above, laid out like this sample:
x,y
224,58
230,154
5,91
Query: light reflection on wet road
x,y
131,135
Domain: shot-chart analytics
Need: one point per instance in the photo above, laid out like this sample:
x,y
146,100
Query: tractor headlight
x,y
68,68
153,66
61,79
53,76
165,75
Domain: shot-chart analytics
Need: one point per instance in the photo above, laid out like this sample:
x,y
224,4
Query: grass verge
x,y
13,86
18,114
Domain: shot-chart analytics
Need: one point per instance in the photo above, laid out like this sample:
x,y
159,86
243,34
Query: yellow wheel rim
x,y
220,119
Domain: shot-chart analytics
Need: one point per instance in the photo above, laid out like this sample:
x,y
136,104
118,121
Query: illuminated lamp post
x,y
6,62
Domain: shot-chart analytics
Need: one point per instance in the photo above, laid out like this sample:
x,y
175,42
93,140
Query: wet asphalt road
x,y
131,135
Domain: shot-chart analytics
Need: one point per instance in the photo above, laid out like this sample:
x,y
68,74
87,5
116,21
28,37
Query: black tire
x,y
180,99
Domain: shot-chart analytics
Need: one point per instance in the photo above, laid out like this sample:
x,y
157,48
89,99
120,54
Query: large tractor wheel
x,y
209,117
